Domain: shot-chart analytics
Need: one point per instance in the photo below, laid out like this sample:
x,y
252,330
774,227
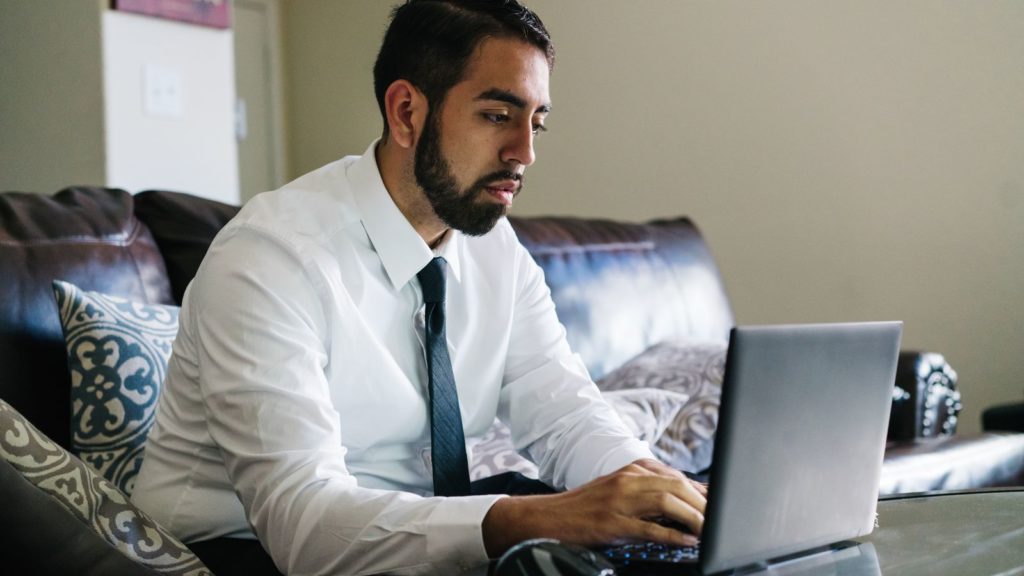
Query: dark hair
x,y
429,42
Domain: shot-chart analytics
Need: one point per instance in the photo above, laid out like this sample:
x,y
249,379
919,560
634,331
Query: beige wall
x,y
329,48
849,160
51,95
194,151
71,96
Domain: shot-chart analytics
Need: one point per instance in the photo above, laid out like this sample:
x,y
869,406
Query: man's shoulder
x,y
311,208
298,229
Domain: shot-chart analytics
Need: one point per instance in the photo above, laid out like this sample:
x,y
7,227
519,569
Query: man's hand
x,y
622,506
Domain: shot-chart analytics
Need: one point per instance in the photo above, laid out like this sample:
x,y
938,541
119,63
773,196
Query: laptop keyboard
x,y
650,552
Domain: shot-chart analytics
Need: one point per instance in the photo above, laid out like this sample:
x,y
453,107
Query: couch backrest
x,y
87,236
618,287
183,226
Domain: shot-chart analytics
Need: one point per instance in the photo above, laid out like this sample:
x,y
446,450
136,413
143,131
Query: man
x,y
300,399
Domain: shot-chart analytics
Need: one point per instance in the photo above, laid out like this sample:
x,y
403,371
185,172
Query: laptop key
x,y
650,552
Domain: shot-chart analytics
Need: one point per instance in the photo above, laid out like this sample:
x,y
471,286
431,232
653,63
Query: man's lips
x,y
504,191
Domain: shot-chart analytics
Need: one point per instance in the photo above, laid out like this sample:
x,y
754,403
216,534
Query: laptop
x,y
798,451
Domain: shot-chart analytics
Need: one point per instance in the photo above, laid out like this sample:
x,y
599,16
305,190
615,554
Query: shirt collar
x,y
449,250
402,251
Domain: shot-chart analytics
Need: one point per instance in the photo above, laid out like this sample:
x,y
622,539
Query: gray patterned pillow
x,y
94,501
695,368
647,412
117,355
495,454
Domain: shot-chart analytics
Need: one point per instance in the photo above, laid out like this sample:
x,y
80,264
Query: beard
x,y
458,209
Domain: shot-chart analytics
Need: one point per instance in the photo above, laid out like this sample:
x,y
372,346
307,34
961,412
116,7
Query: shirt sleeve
x,y
262,335
554,410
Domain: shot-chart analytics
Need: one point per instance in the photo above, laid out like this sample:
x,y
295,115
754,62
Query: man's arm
x,y
614,508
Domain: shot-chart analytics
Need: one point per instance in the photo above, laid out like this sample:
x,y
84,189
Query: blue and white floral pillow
x,y
117,355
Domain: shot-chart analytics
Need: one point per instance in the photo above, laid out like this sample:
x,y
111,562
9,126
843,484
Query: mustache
x,y
499,176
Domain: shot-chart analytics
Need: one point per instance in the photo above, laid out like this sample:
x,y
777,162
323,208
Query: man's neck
x,y
439,241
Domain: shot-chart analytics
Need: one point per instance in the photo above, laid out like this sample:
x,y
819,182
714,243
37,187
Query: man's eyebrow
x,y
510,98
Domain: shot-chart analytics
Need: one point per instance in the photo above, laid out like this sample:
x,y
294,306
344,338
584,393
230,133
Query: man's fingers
x,y
637,529
668,506
683,489
701,487
694,492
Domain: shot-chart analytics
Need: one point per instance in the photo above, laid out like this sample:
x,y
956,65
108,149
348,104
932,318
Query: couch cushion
x,y
98,524
694,368
117,356
88,236
953,463
620,288
184,226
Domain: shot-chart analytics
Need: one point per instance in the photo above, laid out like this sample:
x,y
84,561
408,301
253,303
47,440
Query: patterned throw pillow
x,y
495,454
647,412
97,503
117,355
695,368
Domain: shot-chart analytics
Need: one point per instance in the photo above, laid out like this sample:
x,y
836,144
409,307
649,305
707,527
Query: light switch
x,y
241,120
162,91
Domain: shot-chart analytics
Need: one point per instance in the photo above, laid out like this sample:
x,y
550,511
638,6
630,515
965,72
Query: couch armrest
x,y
926,402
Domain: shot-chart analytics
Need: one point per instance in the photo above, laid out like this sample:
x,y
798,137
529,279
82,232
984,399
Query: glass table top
x,y
955,533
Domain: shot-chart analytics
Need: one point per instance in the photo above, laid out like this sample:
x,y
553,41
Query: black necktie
x,y
447,440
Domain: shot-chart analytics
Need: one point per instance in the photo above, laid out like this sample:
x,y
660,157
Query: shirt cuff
x,y
456,534
625,454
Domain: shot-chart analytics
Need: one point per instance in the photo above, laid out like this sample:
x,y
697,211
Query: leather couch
x,y
651,282
1004,417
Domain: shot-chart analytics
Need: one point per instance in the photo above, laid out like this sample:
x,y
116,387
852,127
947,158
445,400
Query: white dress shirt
x,y
295,404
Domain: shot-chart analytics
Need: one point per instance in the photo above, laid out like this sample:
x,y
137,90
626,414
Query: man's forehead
x,y
510,71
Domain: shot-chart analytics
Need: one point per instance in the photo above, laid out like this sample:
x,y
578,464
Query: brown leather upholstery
x,y
183,225
88,236
1008,417
619,288
954,463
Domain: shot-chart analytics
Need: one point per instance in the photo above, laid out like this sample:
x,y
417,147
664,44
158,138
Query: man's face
x,y
473,150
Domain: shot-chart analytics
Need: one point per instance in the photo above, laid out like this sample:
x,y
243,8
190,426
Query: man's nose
x,y
519,149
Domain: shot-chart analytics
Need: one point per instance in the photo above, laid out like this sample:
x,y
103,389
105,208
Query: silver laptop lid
x,y
800,440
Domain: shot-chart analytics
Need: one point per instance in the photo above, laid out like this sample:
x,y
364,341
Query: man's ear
x,y
406,109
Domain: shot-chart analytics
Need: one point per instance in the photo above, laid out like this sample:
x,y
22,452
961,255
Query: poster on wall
x,y
213,13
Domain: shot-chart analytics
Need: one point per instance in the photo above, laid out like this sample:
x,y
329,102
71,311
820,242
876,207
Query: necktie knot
x,y
432,280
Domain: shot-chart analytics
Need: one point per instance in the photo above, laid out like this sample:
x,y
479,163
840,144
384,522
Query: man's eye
x,y
538,128
496,118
